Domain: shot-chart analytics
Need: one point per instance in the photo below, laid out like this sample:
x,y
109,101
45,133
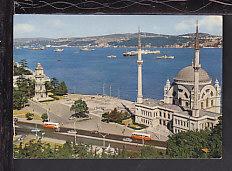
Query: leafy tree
x,y
23,63
79,107
29,116
56,87
61,89
19,99
215,141
21,69
27,86
188,144
54,82
44,117
115,116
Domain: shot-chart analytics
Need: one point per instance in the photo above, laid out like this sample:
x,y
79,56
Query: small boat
x,y
144,52
37,48
58,50
87,49
131,53
165,57
112,56
58,60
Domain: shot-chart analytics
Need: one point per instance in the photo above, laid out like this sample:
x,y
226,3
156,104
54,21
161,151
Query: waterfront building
x,y
40,89
191,101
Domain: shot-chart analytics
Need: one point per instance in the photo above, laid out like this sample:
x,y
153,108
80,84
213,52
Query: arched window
x,y
211,93
186,104
202,105
211,102
207,102
203,95
180,101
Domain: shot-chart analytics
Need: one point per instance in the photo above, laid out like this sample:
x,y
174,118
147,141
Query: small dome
x,y
39,66
187,75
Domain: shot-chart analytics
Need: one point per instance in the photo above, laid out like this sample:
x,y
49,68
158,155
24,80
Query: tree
x,y
29,116
56,87
54,82
79,107
22,68
61,89
215,141
27,86
19,99
188,144
44,117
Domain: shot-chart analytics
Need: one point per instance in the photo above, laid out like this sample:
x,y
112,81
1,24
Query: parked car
x,y
71,131
127,139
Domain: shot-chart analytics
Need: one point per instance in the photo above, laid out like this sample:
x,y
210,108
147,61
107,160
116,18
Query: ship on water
x,y
112,56
144,52
86,49
58,50
37,48
165,57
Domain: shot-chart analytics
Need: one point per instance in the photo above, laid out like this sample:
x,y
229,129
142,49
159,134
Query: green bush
x,y
29,116
44,116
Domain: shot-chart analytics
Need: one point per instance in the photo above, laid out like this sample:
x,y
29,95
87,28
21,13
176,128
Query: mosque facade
x,y
181,109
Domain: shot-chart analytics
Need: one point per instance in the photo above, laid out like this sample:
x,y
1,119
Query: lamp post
x,y
104,140
143,140
75,135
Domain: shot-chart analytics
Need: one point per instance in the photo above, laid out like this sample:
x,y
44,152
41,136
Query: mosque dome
x,y
187,75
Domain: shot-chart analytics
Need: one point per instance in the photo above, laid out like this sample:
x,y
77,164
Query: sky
x,y
56,26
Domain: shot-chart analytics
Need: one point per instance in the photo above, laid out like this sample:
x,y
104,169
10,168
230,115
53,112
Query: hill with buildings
x,y
124,40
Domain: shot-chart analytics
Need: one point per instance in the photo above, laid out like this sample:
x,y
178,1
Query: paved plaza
x,y
59,111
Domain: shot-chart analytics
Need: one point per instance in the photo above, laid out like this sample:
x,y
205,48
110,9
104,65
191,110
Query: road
x,y
89,137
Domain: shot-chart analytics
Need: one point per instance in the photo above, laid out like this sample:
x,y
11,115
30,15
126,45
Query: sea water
x,y
92,72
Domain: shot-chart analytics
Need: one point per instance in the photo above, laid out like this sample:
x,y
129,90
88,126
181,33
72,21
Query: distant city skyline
x,y
56,26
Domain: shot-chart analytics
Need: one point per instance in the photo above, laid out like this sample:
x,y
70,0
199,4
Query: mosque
x,y
181,109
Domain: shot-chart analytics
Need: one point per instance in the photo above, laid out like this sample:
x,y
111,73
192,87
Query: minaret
x,y
196,67
140,63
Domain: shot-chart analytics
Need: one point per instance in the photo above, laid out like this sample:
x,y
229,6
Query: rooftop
x,y
175,108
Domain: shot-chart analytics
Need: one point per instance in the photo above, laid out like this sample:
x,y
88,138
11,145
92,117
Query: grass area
x,y
21,114
129,122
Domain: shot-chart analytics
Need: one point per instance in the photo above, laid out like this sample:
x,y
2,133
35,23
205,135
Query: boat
x,y
144,52
37,48
111,56
86,49
131,53
58,50
165,57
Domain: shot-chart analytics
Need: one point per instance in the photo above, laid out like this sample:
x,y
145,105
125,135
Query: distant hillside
x,y
126,40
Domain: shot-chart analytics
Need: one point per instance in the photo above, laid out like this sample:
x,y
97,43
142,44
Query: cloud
x,y
209,24
56,23
184,26
23,28
212,24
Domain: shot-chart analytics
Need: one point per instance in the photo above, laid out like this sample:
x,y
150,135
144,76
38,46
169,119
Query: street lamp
x,y
74,128
104,140
143,140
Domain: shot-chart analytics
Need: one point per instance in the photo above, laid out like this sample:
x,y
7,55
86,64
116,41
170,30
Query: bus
x,y
52,125
140,136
